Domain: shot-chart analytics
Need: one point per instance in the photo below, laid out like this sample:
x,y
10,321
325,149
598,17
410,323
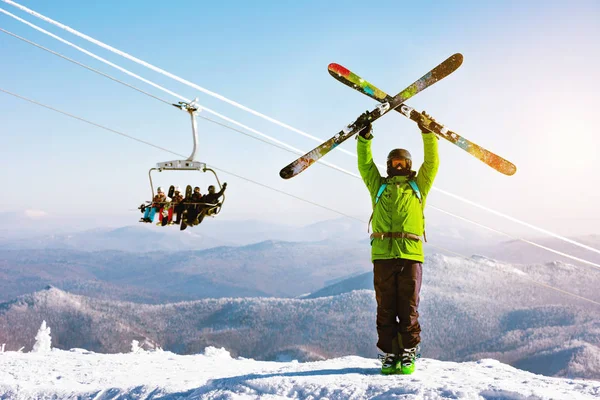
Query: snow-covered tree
x,y
135,346
43,341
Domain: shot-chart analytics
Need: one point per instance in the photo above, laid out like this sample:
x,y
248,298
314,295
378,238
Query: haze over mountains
x,y
28,230
222,258
281,269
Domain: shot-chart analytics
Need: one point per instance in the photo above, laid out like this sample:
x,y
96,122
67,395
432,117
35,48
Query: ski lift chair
x,y
189,164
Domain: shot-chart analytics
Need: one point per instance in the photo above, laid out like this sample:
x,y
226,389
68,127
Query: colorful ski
x,y
441,71
352,80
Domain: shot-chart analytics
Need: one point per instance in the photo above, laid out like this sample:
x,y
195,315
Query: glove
x,y
424,118
366,131
224,185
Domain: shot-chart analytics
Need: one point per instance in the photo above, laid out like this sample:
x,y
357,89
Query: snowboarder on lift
x,y
398,225
192,208
177,204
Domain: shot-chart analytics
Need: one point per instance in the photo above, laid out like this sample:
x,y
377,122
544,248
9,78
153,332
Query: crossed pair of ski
x,y
389,103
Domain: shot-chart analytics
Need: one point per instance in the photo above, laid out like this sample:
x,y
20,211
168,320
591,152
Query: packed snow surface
x,y
79,374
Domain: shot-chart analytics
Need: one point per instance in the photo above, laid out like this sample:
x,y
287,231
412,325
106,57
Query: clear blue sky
x,y
529,89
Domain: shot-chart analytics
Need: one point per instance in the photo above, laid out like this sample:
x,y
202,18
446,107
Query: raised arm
x,y
220,193
366,166
429,168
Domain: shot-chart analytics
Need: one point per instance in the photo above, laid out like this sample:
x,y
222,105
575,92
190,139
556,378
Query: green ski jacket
x,y
399,209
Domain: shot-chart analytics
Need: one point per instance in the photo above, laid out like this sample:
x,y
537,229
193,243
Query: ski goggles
x,y
403,162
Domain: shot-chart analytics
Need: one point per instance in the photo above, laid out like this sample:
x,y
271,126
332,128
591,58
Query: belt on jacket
x,y
395,235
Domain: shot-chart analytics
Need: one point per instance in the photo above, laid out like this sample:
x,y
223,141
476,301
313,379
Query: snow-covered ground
x,y
79,374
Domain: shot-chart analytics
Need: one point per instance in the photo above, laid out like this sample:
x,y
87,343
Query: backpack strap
x,y
415,189
380,192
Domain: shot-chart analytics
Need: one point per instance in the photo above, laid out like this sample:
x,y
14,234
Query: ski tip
x,y
458,58
501,165
285,173
510,170
338,69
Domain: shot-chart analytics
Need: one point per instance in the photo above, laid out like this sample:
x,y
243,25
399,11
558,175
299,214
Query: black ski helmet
x,y
399,153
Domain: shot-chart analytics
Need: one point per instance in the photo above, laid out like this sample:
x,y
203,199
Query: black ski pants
x,y
397,285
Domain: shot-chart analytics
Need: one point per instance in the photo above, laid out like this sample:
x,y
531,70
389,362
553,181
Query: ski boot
x,y
406,364
388,363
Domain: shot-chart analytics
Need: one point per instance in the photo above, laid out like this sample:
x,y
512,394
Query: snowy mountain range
x,y
470,309
309,298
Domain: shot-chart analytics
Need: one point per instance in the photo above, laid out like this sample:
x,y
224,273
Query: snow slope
x,y
79,374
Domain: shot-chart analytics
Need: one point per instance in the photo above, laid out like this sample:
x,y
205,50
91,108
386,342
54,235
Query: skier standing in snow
x,y
397,244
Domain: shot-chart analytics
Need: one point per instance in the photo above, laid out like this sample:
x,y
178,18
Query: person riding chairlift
x,y
192,208
178,206
211,201
157,203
